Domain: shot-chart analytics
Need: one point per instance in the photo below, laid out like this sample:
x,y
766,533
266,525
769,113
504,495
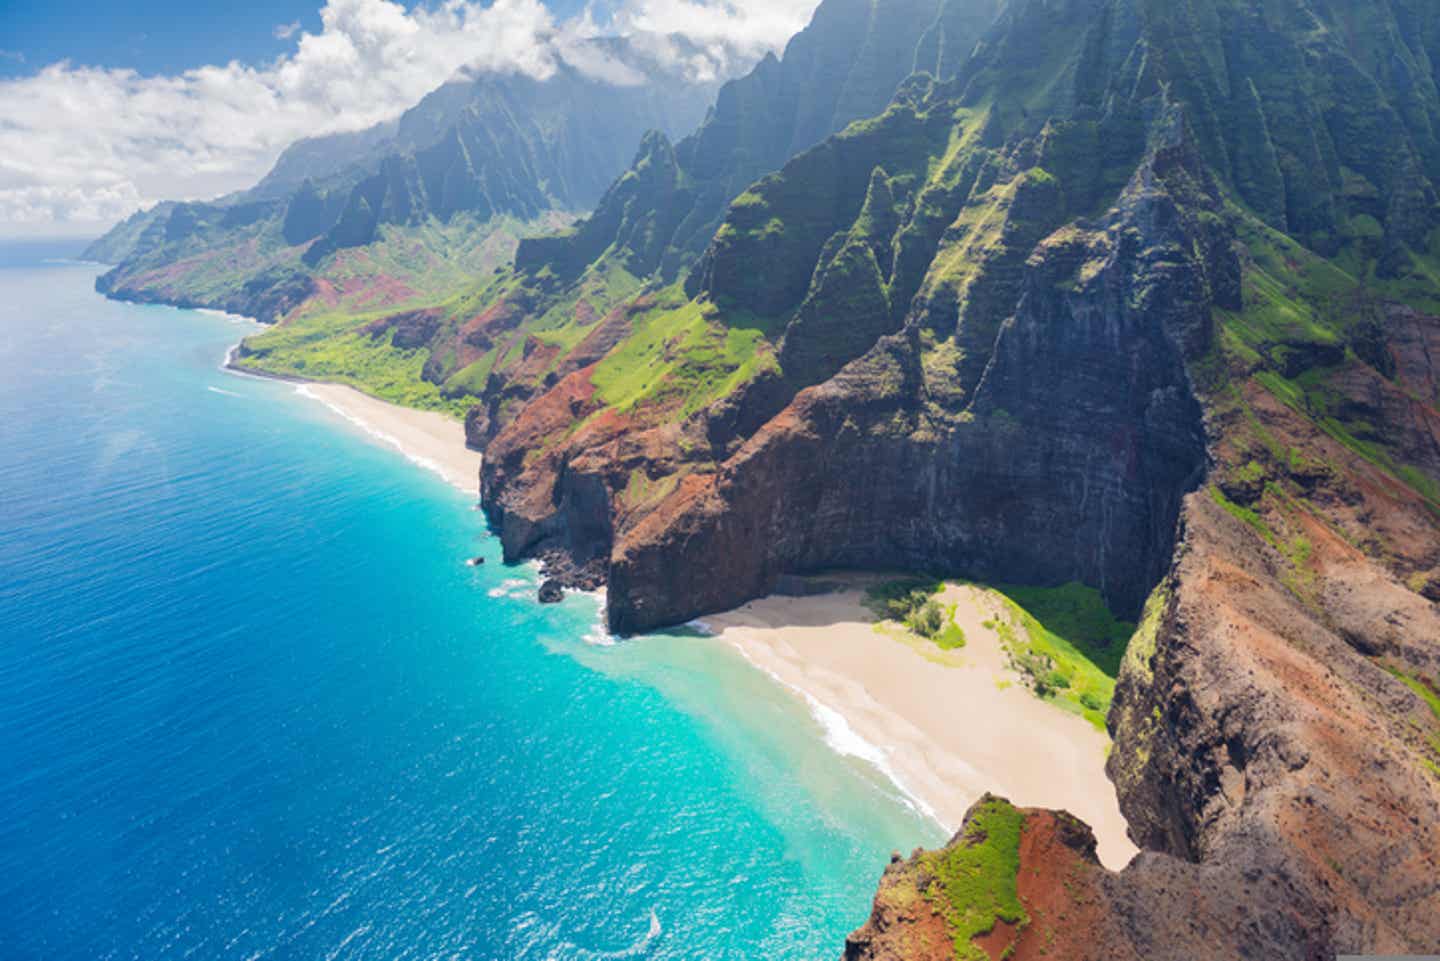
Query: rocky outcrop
x,y
1067,465
1275,757
266,298
975,371
1041,893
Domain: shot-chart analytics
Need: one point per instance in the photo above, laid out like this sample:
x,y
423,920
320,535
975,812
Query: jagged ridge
x,y
1009,328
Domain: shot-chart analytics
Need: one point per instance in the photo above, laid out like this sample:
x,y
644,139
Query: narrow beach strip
x,y
427,438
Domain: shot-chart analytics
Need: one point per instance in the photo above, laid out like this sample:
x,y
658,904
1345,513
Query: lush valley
x,y
1140,296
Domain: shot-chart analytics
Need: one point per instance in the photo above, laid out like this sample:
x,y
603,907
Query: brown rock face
x,y
1281,778
1069,464
1274,754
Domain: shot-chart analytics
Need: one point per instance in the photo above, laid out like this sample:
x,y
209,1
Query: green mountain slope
x,y
845,66
503,340
925,224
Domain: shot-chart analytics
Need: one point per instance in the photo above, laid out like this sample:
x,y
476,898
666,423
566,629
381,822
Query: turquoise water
x,y
255,705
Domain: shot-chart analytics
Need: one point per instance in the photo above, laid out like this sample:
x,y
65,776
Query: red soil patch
x,y
998,939
1060,885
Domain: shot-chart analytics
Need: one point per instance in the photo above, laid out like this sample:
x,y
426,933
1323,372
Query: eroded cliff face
x,y
961,374
955,336
1277,718
1277,757
1102,308
1063,456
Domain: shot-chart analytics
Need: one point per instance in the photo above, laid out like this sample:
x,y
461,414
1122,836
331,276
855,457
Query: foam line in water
x,y
226,315
389,440
635,950
845,741
599,634
226,366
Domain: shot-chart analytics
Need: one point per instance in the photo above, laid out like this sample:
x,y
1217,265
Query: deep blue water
x,y
252,704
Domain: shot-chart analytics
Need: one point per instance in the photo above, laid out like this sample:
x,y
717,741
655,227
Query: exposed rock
x,y
844,66
1086,364
551,592
1060,312
407,331
1068,464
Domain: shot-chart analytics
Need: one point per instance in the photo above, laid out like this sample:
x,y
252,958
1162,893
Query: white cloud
x,y
723,30
85,146
285,31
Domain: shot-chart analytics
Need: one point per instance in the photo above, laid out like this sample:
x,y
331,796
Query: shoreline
x,y
426,438
943,726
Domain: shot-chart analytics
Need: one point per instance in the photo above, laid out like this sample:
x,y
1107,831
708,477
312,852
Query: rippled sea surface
x,y
254,705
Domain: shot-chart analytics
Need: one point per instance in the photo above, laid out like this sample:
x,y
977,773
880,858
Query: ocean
x,y
255,705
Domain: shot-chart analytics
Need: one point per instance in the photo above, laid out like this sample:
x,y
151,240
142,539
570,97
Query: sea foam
x,y
388,439
841,738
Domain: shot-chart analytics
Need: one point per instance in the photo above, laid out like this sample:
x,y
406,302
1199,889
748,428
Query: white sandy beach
x,y
430,439
945,726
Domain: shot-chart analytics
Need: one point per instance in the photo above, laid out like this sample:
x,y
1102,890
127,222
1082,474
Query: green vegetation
x,y
422,268
896,599
1066,643
1245,515
975,877
1302,319
1429,694
1140,654
330,347
1078,614
952,635
642,490
681,354
912,602
1299,576
431,261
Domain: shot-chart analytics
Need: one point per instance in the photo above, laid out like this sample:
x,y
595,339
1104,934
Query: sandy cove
x,y
944,726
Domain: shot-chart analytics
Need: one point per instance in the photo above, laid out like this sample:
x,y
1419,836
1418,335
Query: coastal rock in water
x,y
551,592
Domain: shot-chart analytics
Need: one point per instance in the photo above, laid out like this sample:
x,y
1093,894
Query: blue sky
x,y
163,37
160,36
110,107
